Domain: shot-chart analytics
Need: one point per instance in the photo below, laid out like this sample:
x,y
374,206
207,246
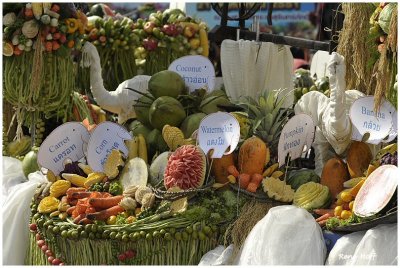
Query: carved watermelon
x,y
186,168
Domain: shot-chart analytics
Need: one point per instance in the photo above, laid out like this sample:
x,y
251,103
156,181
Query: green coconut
x,y
191,124
155,143
137,128
166,111
142,108
210,104
166,83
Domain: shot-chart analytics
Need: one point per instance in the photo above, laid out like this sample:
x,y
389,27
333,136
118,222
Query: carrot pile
x,y
89,206
250,183
324,214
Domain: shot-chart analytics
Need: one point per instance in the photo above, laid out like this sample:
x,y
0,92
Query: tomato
x,y
338,211
345,214
351,205
346,196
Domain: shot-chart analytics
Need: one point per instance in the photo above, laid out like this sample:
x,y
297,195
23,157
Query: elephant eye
x,y
73,129
108,129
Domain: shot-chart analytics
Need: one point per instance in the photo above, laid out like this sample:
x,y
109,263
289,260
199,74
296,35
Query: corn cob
x,y
37,9
142,151
93,178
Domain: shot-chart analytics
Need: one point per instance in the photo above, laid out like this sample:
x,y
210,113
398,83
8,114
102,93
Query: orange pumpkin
x,y
334,174
358,158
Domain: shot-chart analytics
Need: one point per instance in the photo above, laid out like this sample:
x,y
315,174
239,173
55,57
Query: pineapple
x,y
267,117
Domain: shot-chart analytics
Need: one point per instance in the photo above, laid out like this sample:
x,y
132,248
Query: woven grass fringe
x,y
236,234
354,44
386,67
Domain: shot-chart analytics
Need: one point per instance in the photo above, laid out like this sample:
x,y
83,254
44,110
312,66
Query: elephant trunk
x,y
337,122
107,100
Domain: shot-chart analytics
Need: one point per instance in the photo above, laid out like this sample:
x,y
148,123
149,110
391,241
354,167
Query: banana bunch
x,y
137,148
174,137
272,171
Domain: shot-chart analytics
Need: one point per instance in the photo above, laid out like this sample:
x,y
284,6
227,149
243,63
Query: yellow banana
x,y
267,156
204,42
51,177
133,147
277,174
142,148
85,168
37,9
93,178
268,172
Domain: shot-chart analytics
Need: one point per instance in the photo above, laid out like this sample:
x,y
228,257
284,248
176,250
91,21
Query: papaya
x,y
334,174
219,168
252,156
358,158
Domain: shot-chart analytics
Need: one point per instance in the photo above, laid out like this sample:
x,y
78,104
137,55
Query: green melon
x,y
166,111
166,83
191,124
300,177
29,164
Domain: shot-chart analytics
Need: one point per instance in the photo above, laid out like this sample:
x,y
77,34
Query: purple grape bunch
x,y
389,159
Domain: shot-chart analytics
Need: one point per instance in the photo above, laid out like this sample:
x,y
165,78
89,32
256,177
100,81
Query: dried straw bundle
x,y
355,46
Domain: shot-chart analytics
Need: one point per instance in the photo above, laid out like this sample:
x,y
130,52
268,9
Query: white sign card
x,y
365,120
104,138
296,137
393,131
197,72
66,141
218,132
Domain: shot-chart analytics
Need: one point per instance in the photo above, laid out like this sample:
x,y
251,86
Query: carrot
x,y
105,194
103,203
80,195
70,210
232,170
252,187
85,221
323,211
324,217
257,178
105,214
90,209
79,218
72,190
322,223
95,195
244,180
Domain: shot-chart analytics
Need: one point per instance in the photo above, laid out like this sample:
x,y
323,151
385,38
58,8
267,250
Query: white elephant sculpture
x,y
119,101
330,115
